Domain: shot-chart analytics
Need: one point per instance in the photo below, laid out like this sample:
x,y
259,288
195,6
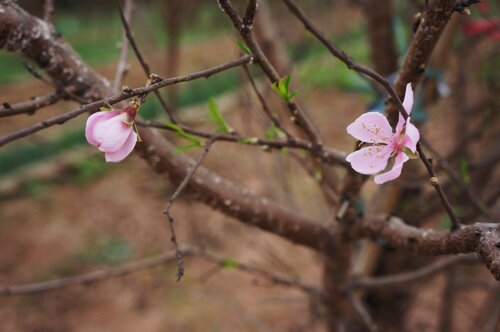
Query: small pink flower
x,y
385,145
113,132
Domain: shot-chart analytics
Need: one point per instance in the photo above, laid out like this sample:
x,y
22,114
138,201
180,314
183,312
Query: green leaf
x,y
244,47
249,140
216,116
229,263
184,148
193,139
282,87
464,171
273,132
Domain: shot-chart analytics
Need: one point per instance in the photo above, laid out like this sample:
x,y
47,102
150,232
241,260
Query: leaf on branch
x,y
282,87
196,142
244,47
216,116
273,132
249,140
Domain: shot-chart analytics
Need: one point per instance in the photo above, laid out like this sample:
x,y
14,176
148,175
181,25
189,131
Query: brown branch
x,y
92,107
166,211
342,56
299,116
30,106
413,276
439,189
481,238
225,196
123,66
329,155
434,19
148,263
142,61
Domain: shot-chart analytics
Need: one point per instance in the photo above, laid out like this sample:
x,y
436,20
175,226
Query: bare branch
x,y
413,276
30,106
142,61
148,263
92,107
123,66
166,211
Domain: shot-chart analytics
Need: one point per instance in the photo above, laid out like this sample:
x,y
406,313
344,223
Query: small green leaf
x,y
249,140
243,47
273,132
282,87
216,116
184,148
193,139
229,263
464,171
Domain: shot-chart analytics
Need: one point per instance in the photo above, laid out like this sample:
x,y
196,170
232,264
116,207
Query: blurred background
x,y
64,211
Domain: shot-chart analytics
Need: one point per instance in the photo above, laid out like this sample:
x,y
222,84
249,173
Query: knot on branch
x,y
488,250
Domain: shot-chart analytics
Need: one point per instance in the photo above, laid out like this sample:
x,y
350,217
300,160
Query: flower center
x,y
398,143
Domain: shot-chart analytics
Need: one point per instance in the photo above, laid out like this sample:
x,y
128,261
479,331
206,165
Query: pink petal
x,y
395,172
408,100
92,121
371,127
112,133
124,151
400,125
412,136
370,160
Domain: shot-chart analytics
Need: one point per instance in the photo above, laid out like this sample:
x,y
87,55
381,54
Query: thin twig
x,y
329,155
30,106
166,211
148,263
413,276
264,105
298,115
144,65
455,178
123,66
92,107
363,313
48,11
342,56
455,223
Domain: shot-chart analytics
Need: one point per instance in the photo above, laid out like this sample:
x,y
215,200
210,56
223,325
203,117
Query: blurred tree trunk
x,y
380,32
175,13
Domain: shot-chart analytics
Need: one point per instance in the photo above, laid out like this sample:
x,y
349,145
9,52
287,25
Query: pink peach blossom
x,y
112,132
384,144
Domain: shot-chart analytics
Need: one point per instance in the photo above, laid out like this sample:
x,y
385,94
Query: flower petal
x,y
395,172
124,151
408,100
111,134
370,160
371,127
412,136
92,121
400,125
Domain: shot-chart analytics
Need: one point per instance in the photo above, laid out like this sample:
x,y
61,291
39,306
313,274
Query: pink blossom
x,y
384,144
112,132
